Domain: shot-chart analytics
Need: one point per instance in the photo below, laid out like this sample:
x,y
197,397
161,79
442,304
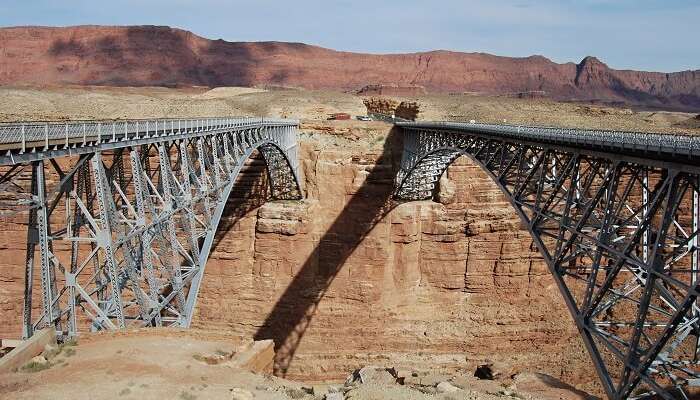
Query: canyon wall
x,y
163,56
345,278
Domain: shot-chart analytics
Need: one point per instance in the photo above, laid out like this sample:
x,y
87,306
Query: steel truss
x,y
619,233
122,230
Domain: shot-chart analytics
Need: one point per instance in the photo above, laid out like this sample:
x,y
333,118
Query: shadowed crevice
x,y
294,311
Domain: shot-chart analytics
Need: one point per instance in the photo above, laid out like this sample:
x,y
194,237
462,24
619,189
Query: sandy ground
x,y
77,103
165,364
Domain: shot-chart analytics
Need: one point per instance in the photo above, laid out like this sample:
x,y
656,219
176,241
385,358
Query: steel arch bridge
x,y
122,214
616,217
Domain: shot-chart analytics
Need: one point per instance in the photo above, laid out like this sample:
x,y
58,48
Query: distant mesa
x,y
163,56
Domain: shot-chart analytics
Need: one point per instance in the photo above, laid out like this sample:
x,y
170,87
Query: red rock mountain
x,y
163,56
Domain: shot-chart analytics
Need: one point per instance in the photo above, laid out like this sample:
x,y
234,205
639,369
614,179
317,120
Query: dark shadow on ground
x,y
557,384
293,312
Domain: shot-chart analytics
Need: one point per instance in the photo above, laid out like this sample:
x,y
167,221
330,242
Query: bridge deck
x,y
23,142
663,147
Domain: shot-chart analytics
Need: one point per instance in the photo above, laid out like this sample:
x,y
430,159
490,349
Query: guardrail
x,y
17,139
665,146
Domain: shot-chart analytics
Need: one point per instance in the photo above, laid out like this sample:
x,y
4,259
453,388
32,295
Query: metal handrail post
x,y
24,139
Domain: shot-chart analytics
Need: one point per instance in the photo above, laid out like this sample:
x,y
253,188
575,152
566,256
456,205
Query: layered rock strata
x,y
347,278
164,56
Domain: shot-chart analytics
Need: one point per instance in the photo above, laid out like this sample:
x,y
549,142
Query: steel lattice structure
x,y
119,236
615,216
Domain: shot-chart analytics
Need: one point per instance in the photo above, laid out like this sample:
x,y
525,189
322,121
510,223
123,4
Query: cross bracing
x,y
121,215
616,217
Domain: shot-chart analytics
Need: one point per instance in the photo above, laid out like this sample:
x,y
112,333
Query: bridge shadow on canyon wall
x,y
249,193
293,312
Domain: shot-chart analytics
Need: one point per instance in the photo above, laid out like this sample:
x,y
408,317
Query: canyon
x,y
347,277
442,287
164,56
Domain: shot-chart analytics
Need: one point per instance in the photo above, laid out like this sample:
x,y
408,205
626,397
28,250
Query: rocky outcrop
x,y
163,56
409,110
380,105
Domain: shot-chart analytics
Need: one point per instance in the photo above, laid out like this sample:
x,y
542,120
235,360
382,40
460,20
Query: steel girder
x,y
123,232
620,237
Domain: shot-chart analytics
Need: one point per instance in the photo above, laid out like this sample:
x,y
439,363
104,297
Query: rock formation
x,y
339,281
389,107
162,56
380,105
409,110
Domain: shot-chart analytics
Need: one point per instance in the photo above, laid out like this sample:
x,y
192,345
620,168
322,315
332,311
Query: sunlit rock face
x,y
164,56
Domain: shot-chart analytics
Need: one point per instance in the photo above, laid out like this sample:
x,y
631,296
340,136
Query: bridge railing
x,y
20,138
654,144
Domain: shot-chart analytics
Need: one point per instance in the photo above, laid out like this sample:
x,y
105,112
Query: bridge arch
x,y
284,183
619,233
124,213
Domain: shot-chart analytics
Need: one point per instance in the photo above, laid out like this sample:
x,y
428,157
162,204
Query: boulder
x,y
446,387
241,394
39,360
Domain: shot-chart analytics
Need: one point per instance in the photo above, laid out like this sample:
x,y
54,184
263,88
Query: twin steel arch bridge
x,y
122,214
615,216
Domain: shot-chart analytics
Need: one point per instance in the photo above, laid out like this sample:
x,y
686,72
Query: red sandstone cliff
x,y
149,55
340,281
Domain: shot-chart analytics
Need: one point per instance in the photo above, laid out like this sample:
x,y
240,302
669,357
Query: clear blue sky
x,y
637,34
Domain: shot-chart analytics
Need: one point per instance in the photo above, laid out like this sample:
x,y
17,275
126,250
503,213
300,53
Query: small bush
x,y
295,393
187,396
34,366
